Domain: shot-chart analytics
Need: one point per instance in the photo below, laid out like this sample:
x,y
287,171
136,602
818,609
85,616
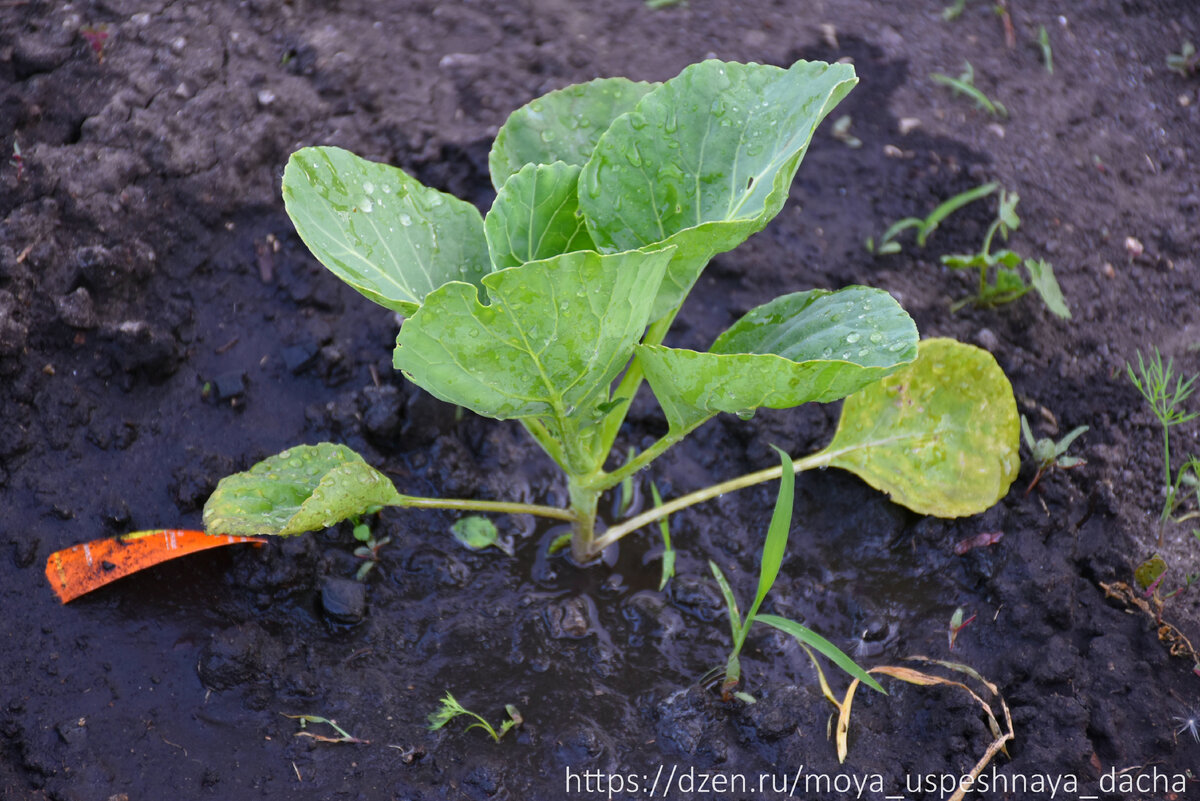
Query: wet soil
x,y
161,326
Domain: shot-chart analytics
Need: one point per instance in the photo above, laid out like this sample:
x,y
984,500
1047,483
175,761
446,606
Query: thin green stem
x,y
631,382
821,459
537,429
606,481
496,507
1167,472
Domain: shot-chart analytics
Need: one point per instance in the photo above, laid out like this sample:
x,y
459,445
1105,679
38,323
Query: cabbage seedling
x,y
772,559
612,196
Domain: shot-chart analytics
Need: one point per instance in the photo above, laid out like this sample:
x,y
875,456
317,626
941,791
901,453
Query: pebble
x,y
344,600
384,414
987,339
230,386
298,358
77,309
72,731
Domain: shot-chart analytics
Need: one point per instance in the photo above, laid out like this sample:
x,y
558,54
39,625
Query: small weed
x,y
343,735
451,709
97,38
1149,578
1043,42
954,10
841,132
1047,453
964,84
368,551
926,226
628,488
1186,62
772,560
1165,392
668,560
957,624
1006,284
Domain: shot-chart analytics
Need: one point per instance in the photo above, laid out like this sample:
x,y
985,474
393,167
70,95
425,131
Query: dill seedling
x,y
1153,379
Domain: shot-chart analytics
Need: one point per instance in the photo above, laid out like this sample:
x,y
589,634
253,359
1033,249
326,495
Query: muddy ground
x,y
161,326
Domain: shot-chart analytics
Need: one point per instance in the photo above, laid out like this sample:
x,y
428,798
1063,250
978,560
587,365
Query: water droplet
x,y
852,337
435,200
547,136
366,205
405,220
876,338
745,414
368,187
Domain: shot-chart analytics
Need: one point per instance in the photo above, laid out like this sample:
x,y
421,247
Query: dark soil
x,y
162,326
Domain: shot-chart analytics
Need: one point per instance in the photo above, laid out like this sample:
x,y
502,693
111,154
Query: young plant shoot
x,y
1006,284
772,559
1047,454
612,196
1153,380
450,709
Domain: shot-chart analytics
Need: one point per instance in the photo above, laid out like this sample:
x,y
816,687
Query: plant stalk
x,y
631,382
496,507
820,459
584,500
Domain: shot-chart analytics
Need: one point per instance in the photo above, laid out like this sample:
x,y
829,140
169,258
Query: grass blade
x,y
735,616
777,534
832,652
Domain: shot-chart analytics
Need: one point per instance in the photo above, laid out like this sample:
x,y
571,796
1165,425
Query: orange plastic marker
x,y
82,568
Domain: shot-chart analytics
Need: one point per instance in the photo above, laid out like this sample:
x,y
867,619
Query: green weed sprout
x,y
368,550
664,527
451,708
1186,62
926,226
954,10
772,559
612,197
1043,42
343,735
964,84
1000,281
1047,453
1153,380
